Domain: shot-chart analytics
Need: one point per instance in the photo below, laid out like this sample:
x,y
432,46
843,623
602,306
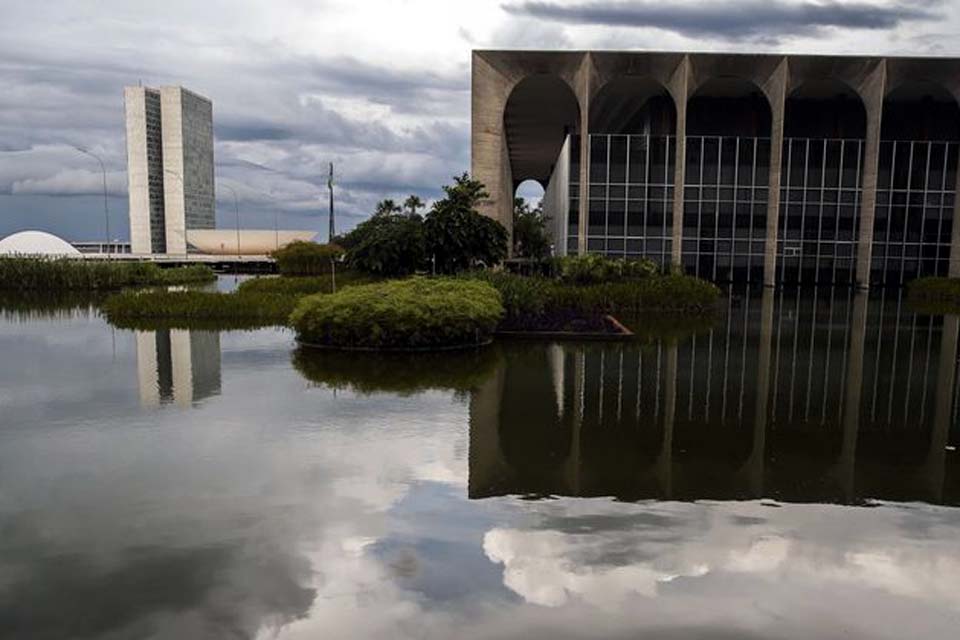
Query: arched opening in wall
x,y
727,172
632,159
825,126
542,122
916,184
528,197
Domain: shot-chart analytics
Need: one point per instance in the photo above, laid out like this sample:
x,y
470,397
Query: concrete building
x,y
169,167
793,169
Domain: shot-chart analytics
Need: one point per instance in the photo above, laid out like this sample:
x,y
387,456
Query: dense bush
x,y
401,314
197,309
388,244
458,237
593,269
302,258
64,274
403,373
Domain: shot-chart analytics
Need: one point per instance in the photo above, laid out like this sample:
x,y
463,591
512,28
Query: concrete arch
x,y
920,109
731,94
623,100
825,107
541,110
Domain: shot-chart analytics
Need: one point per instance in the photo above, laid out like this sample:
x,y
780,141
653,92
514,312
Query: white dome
x,y
36,243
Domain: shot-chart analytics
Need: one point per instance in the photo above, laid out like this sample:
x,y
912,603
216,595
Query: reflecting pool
x,y
789,471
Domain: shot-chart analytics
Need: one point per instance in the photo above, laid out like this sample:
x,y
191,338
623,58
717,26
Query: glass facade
x,y
819,210
916,189
725,206
631,196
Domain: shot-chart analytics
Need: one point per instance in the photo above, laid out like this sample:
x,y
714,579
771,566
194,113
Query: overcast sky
x,y
381,88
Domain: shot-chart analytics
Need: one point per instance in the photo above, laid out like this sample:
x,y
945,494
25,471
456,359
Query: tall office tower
x,y
169,167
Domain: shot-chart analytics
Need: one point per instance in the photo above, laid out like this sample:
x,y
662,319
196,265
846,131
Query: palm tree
x,y
413,203
386,207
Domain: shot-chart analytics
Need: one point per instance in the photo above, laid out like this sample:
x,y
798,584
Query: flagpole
x,y
332,232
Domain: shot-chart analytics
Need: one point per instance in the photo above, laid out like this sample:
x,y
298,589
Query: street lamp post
x,y
106,209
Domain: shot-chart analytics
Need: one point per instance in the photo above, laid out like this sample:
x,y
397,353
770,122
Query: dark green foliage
x,y
416,313
302,286
388,244
935,296
525,298
63,274
306,258
594,269
458,238
530,238
197,309
404,373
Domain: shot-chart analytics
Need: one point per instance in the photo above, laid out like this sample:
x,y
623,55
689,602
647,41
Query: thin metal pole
x,y
106,209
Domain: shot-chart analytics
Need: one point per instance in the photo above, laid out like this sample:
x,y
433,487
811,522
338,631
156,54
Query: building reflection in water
x,y
177,366
821,396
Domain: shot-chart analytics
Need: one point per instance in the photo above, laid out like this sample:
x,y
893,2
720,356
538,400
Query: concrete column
x,y
776,89
853,387
754,467
487,468
935,463
489,159
664,462
679,89
872,91
584,202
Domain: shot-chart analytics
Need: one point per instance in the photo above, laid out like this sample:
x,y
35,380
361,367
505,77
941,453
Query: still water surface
x,y
789,472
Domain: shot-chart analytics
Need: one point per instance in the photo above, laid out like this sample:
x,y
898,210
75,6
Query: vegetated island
x,y
401,280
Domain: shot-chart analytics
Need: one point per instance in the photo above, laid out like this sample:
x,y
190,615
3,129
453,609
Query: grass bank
x,y
416,313
534,303
31,274
197,309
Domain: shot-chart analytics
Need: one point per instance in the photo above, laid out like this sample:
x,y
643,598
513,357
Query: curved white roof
x,y
36,243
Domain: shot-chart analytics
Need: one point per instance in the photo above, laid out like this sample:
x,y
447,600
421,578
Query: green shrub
x,y
401,314
302,258
594,269
197,309
392,372
63,274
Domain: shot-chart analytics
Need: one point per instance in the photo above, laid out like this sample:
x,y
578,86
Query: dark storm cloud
x,y
732,19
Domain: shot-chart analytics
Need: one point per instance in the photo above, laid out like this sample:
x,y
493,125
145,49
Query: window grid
x,y
725,203
821,188
914,213
631,196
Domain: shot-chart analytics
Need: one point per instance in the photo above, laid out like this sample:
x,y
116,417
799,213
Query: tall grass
x,y
58,274
197,309
302,286
528,299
